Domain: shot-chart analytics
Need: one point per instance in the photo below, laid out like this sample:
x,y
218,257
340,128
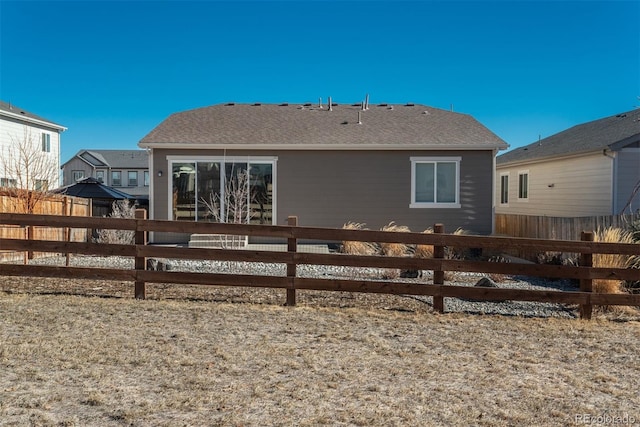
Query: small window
x,y
100,176
77,175
8,182
435,182
523,185
42,185
504,189
46,142
116,179
132,178
146,178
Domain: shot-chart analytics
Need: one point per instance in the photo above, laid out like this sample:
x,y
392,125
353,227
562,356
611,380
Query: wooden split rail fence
x,y
292,233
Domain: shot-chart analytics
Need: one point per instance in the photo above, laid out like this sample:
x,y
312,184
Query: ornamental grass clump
x,y
424,251
613,235
394,249
355,247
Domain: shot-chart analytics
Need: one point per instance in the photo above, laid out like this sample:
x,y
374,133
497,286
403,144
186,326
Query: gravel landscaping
x,y
510,308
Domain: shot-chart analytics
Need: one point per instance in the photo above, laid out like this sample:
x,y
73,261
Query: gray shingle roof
x,y
14,109
125,159
307,124
607,133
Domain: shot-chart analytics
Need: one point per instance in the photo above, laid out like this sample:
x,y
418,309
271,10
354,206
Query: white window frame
x,y
77,175
520,174
146,178
504,174
113,181
430,205
129,180
100,176
273,160
46,142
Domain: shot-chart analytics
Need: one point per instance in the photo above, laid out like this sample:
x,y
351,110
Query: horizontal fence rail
x,y
141,251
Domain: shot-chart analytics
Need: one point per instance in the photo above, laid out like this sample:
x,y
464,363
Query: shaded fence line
x,y
561,228
438,264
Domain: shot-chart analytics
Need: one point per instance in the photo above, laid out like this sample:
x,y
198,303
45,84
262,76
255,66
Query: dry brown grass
x,y
391,248
424,251
355,247
612,235
73,360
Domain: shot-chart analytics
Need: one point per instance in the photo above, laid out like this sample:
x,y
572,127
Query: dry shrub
x,y
354,247
119,209
394,249
612,235
457,253
424,251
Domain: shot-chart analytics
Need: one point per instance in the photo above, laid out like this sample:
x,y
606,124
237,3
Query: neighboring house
x,y
588,170
102,196
124,170
29,149
412,164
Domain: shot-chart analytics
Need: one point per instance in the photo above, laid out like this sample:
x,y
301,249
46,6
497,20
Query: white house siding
x,y
570,187
628,177
13,132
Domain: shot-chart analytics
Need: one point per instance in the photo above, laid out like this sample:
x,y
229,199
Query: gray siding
x,y
330,188
628,177
75,164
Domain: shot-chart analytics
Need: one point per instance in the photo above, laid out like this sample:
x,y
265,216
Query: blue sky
x,y
111,71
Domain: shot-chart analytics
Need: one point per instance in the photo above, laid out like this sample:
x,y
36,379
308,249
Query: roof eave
x,y
322,147
32,120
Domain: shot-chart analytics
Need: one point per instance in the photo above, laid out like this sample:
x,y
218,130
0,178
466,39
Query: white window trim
x,y
520,173
507,174
426,205
273,160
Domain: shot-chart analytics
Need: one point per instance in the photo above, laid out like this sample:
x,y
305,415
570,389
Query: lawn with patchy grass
x,y
114,361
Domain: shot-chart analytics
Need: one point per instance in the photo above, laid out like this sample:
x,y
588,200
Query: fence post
x,y
586,285
438,275
68,211
292,247
140,262
25,255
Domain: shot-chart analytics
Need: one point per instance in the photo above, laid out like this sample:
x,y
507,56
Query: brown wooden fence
x,y
586,273
51,205
549,227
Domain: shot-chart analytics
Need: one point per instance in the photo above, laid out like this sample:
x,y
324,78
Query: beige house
x,y
327,164
588,170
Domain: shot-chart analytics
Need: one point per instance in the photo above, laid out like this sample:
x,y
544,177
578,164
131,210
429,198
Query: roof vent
x,y
257,104
390,107
230,104
426,112
330,104
358,104
383,105
308,104
284,104
622,115
409,104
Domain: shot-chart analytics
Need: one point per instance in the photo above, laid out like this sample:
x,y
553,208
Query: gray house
x,y
326,164
124,170
590,169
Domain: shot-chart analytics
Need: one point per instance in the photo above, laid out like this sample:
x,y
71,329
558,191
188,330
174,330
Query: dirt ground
x,y
89,354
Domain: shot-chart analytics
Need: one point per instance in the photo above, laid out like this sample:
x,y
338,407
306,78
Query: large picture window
x,y
223,190
435,182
